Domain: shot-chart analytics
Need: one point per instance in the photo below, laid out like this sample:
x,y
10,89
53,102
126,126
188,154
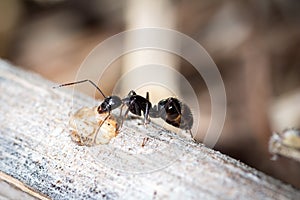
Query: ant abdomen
x,y
173,112
186,121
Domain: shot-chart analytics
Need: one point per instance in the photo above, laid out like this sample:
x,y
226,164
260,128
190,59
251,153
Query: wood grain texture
x,y
14,189
36,149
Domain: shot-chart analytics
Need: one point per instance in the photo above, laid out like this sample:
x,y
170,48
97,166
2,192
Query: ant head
x,y
110,103
102,108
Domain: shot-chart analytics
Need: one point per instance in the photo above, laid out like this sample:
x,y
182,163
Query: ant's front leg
x,y
98,129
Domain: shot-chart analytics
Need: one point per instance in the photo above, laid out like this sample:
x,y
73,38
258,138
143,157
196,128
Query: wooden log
x,y
36,150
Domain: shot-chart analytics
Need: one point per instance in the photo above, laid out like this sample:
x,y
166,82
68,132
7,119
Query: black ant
x,y
174,113
135,103
171,109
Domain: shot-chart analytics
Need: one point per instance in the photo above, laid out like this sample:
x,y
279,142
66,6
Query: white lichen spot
x,y
57,131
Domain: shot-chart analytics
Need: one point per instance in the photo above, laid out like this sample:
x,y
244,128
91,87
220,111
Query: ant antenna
x,y
77,82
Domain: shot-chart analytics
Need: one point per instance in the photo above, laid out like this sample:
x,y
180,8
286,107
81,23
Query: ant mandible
x,y
135,103
174,112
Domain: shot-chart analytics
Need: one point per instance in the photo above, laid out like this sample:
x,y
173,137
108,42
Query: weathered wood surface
x,y
14,189
36,150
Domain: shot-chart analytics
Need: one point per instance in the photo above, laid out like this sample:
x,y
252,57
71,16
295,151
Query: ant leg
x,y
121,109
190,131
147,110
98,129
146,115
120,116
146,119
124,117
78,82
126,113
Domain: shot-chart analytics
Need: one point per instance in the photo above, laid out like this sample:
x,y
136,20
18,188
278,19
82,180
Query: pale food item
x,y
89,128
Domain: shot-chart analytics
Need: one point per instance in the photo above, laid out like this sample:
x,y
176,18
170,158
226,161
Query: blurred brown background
x,y
255,44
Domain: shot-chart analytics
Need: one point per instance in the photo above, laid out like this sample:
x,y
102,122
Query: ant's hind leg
x,y
190,131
